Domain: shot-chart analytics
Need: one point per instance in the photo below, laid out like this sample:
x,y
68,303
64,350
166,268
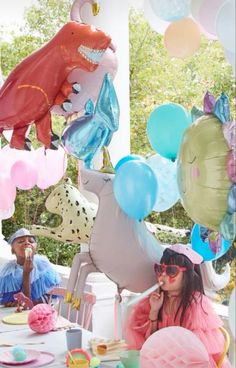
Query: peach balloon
x,y
182,38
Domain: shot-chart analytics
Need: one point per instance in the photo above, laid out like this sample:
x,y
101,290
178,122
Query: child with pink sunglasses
x,y
180,301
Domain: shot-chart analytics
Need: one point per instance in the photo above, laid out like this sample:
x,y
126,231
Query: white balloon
x,y
232,313
8,213
225,25
155,23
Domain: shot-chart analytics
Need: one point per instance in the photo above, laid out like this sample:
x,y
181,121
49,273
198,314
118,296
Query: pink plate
x,y
44,359
6,357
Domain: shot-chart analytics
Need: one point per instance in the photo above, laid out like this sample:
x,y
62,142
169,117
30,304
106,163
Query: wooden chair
x,y
84,316
226,346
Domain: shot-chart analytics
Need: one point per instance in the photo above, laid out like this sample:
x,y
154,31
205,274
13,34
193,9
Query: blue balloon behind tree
x,y
210,244
165,128
135,188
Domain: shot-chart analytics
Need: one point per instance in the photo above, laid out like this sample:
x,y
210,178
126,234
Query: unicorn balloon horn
x,y
107,164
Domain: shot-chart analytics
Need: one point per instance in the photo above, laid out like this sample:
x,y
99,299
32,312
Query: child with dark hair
x,y
180,301
29,273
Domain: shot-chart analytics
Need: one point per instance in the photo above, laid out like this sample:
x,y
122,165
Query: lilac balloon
x,y
7,192
207,15
24,175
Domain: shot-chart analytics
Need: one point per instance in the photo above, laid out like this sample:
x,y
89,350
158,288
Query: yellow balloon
x,y
182,38
202,172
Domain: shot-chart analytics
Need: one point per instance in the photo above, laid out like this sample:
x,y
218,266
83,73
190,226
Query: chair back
x,y
226,346
82,317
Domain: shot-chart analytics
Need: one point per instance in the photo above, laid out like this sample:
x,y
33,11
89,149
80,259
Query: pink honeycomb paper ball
x,y
42,318
174,347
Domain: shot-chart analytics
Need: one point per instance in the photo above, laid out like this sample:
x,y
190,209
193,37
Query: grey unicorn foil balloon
x,y
86,135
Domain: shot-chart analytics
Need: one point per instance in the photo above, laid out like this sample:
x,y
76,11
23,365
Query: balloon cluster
x,y
183,21
24,170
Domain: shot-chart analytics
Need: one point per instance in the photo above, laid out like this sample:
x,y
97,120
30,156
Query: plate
x,y
44,359
17,318
6,357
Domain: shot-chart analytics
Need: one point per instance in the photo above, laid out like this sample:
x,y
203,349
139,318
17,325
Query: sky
x,y
11,11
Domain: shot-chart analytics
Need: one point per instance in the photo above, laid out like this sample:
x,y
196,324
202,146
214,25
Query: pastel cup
x,y
130,358
74,338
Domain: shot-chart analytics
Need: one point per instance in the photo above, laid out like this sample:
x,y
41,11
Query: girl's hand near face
x,y
156,300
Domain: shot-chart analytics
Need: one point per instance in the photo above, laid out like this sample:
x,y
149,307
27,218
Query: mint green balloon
x,y
165,128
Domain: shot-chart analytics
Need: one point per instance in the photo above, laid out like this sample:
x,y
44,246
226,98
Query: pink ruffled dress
x,y
200,318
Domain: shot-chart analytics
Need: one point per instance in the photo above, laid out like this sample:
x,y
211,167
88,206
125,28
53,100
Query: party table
x,y
53,343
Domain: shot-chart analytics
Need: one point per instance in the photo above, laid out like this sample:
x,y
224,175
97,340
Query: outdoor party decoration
x,y
126,158
173,347
122,247
7,213
24,175
49,173
76,212
182,38
86,85
225,25
39,81
171,10
85,136
165,128
77,6
165,172
7,192
156,23
42,318
209,243
135,188
205,187
119,246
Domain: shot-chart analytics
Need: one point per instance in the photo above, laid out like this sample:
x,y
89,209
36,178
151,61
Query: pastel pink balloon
x,y
7,192
24,175
51,166
8,156
173,347
7,213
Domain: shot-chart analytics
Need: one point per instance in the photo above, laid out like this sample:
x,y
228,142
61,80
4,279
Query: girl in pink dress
x,y
179,302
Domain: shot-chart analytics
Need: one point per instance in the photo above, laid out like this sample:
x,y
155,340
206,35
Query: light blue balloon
x,y
165,128
135,188
171,10
165,171
203,244
128,158
85,136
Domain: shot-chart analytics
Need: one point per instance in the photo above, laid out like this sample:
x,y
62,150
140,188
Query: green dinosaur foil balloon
x,y
202,173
